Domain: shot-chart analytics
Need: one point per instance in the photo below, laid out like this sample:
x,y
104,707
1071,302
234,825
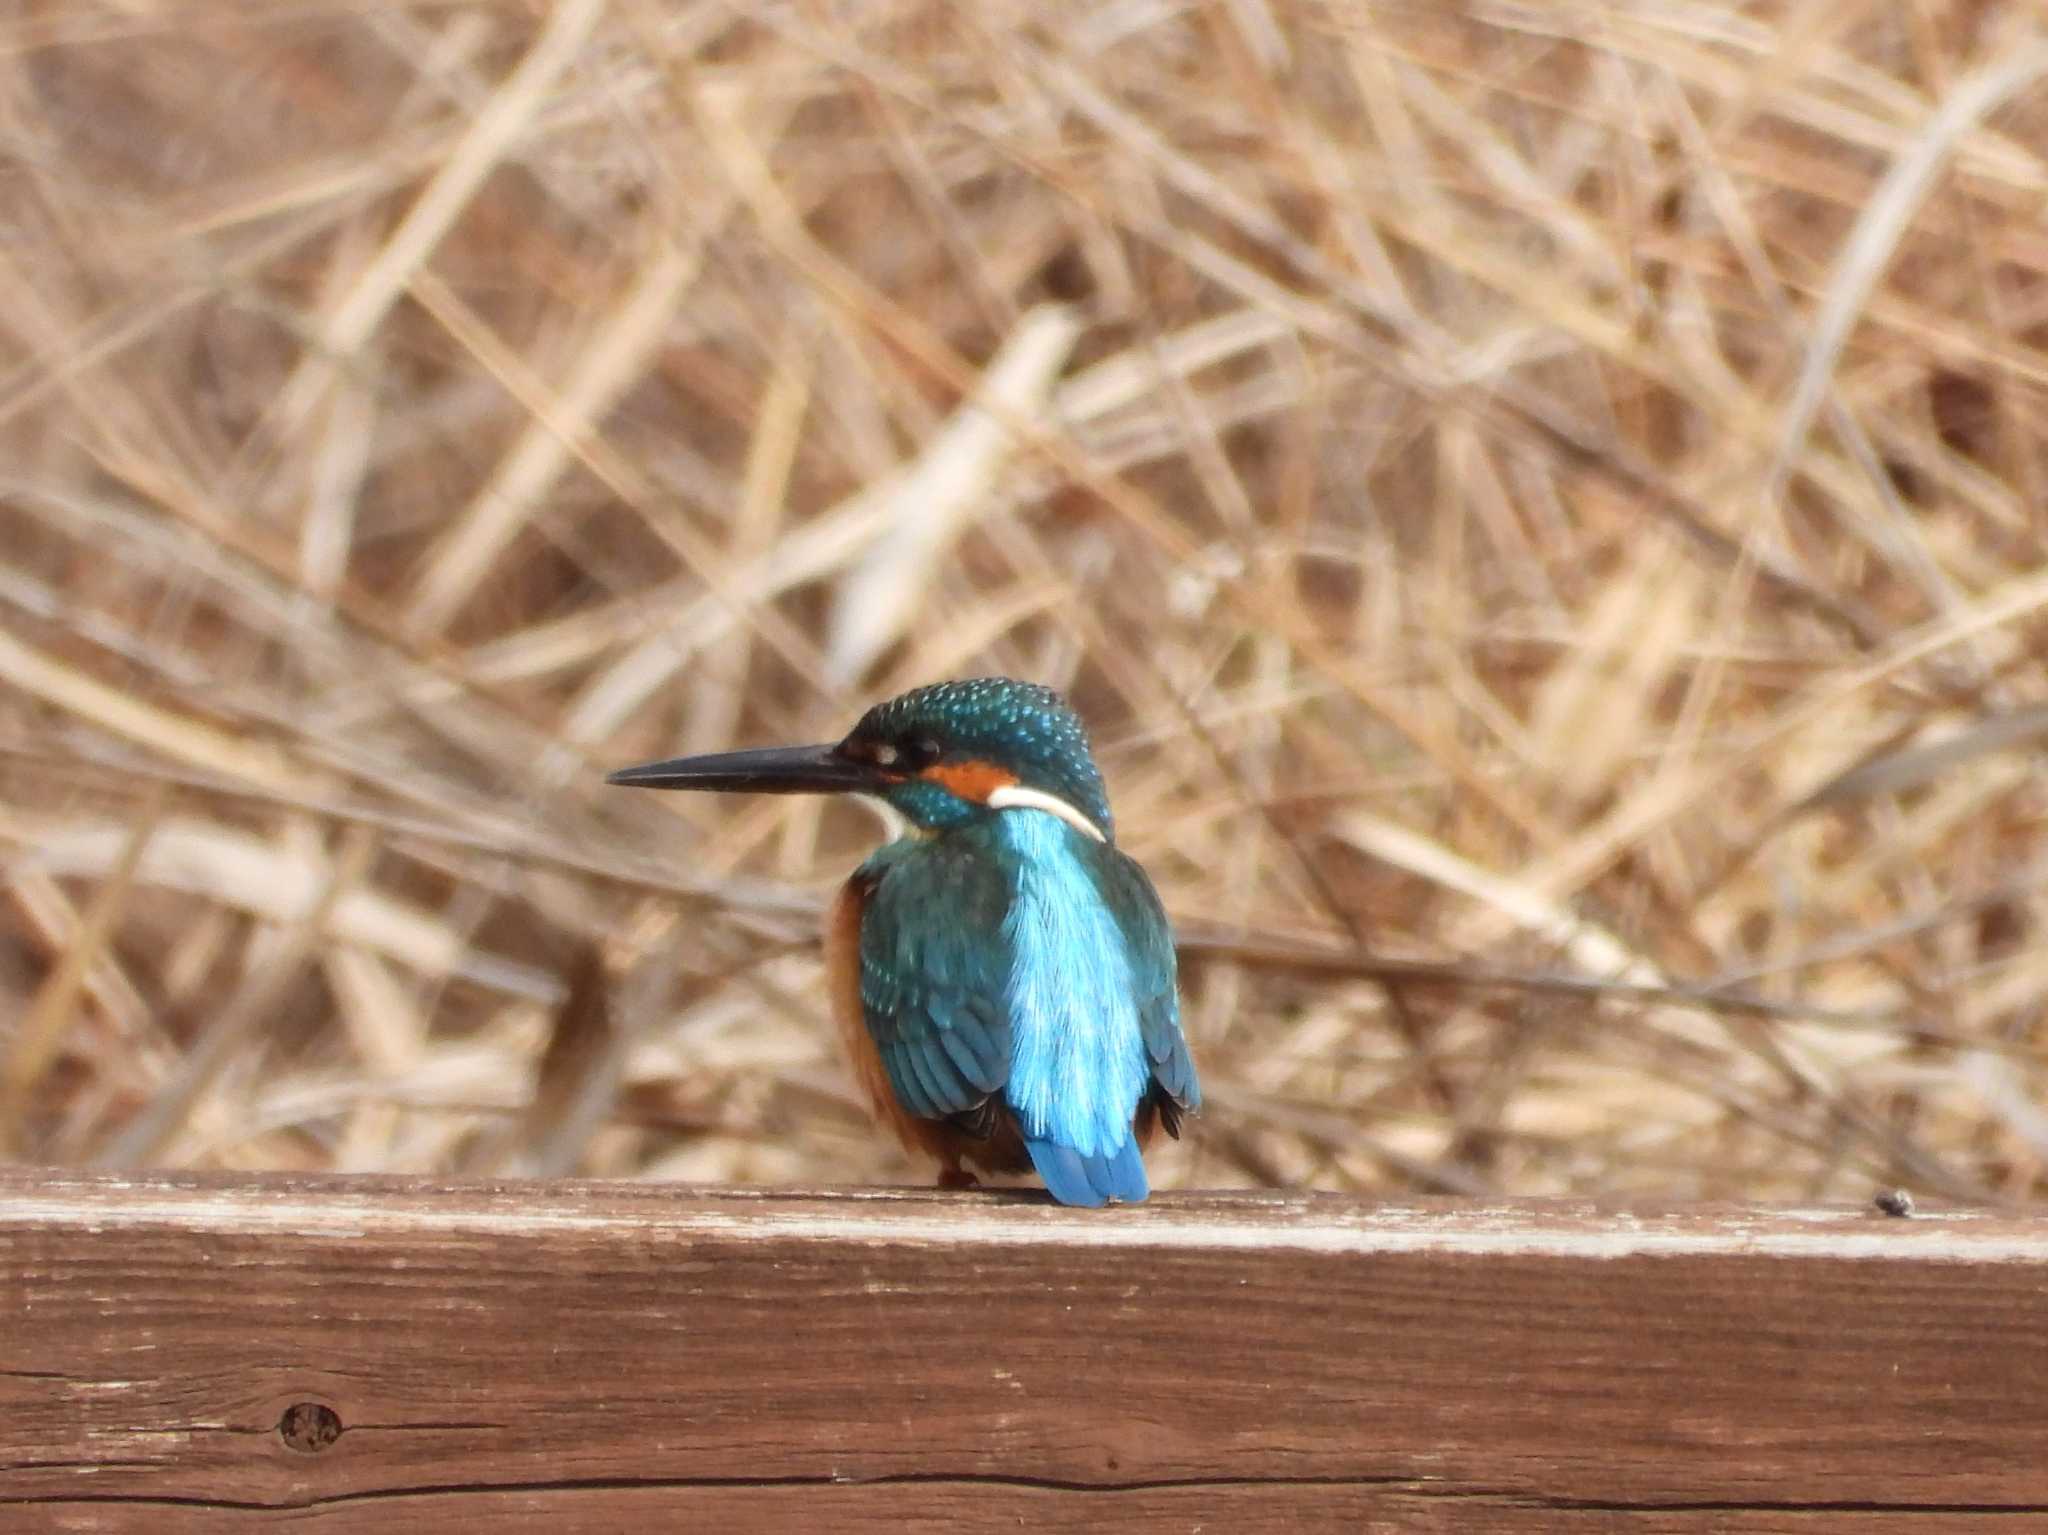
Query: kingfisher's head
x,y
942,756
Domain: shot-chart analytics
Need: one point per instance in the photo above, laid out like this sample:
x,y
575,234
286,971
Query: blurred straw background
x,y
1542,507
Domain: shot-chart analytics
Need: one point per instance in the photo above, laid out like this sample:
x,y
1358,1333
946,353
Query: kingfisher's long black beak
x,y
776,770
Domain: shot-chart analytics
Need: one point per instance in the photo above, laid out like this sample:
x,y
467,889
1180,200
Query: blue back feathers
x,y
1078,1065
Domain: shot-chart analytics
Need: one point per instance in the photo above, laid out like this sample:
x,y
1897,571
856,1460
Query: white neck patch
x,y
1014,796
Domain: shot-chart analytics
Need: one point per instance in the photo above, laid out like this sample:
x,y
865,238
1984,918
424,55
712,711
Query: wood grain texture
x,y
581,1356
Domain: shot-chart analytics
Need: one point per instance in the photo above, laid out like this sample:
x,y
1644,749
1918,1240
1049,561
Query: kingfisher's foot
x,y
957,1178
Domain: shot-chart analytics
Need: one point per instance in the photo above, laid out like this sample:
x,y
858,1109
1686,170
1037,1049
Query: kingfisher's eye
x,y
919,752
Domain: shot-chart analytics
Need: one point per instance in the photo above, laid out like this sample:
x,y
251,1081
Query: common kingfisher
x,y
1003,976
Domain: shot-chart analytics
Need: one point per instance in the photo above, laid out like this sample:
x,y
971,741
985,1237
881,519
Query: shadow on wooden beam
x,y
187,1353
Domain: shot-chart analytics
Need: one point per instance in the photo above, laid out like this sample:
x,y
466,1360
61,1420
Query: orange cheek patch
x,y
974,781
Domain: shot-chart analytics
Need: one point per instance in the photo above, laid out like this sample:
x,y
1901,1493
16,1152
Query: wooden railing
x,y
186,1353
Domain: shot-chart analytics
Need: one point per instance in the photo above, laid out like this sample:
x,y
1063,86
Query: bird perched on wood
x,y
1004,975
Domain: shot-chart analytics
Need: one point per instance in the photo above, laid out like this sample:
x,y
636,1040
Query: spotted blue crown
x,y
1021,726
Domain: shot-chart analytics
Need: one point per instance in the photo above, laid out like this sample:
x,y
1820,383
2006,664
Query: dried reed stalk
x,y
1542,506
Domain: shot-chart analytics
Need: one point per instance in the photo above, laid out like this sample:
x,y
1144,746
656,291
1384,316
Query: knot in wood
x,y
309,1427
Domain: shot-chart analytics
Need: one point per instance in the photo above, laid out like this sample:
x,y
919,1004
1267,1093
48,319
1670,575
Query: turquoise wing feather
x,y
934,971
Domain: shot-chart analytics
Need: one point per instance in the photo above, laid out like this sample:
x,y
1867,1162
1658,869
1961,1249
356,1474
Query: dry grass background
x,y
1541,504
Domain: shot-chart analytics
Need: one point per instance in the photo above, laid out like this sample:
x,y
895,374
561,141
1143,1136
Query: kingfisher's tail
x,y
1074,1179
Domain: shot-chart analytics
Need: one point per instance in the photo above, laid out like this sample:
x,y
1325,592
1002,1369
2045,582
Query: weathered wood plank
x,y
586,1355
976,1508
